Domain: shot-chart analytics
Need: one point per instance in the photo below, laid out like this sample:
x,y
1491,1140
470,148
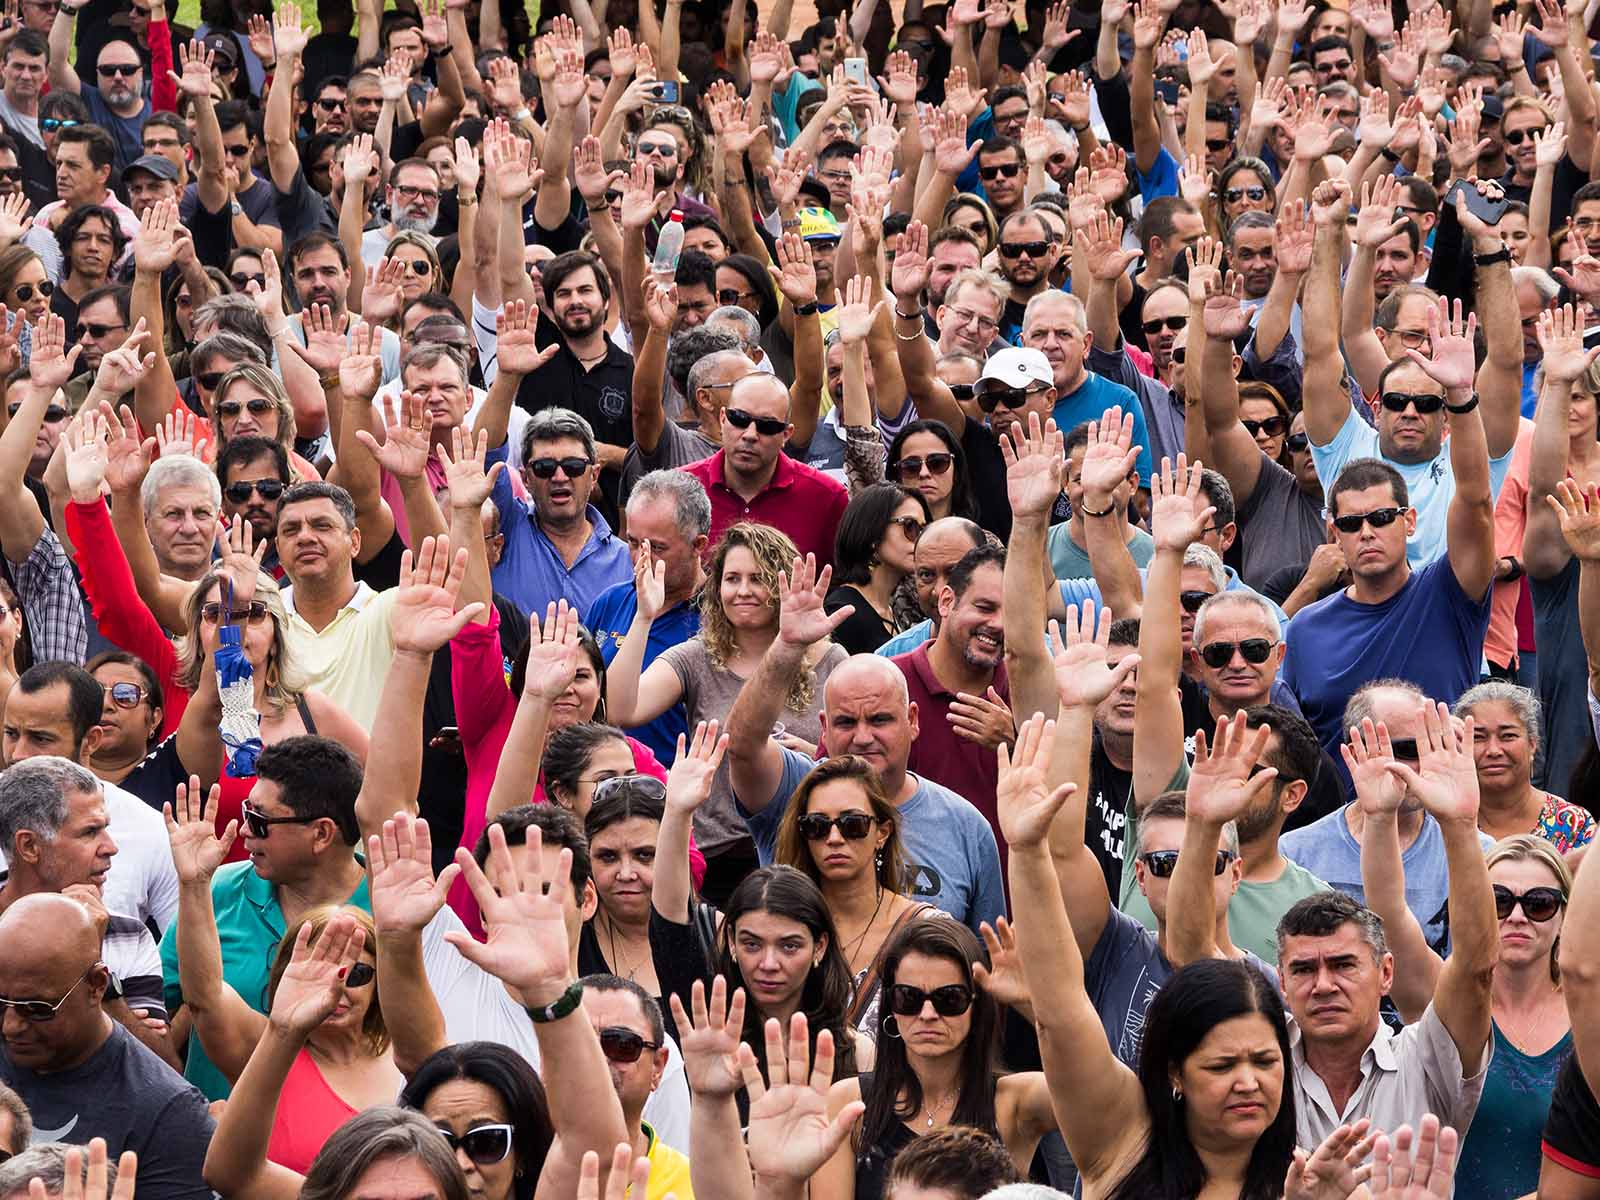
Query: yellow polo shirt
x,y
669,1170
349,660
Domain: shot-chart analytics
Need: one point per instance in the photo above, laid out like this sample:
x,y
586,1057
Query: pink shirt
x,y
1510,519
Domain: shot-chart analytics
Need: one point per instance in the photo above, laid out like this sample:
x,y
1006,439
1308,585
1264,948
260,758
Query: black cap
x,y
153,164
224,47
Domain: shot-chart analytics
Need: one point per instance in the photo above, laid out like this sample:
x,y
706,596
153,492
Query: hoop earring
x,y
891,1030
1177,1095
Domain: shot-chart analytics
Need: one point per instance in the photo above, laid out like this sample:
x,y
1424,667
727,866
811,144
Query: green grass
x,y
188,13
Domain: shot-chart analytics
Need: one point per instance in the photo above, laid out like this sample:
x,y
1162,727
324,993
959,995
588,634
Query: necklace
x,y
850,950
1524,1035
930,1109
615,958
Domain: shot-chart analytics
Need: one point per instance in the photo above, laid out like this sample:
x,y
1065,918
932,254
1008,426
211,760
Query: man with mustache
x,y
117,101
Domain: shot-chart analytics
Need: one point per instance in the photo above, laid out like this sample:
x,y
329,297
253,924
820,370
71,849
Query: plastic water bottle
x,y
668,246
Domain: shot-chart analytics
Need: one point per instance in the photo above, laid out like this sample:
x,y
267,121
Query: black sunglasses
x,y
1235,194
44,287
254,612
961,391
360,975
613,195
1162,863
1405,748
1219,654
1272,426
1297,442
327,105
128,70
125,695
1003,170
420,266
647,787
208,380
11,174
1378,518
733,296
854,826
937,463
484,1145
244,281
1397,402
622,1045
765,426
545,468
238,492
993,398
95,330
258,825
259,406
951,1000
1218,145
1192,601
1538,904
1515,137
909,526
52,414
1170,324
1018,249
1179,353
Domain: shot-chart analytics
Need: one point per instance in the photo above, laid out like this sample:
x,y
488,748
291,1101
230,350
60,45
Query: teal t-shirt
x,y
1068,560
1500,1152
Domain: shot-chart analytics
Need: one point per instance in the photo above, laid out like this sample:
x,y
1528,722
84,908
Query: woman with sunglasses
x,y
872,553
1244,185
419,261
970,212
134,718
926,457
250,400
25,290
1265,417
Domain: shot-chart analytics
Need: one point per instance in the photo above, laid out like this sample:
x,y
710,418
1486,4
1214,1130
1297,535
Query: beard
x,y
666,177
577,322
1254,822
405,222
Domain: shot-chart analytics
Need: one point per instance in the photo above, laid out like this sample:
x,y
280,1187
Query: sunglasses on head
x,y
1162,863
765,426
259,406
258,825
484,1145
254,612
937,463
1397,402
1378,518
545,468
51,415
1272,426
25,291
1538,904
647,787
1002,171
238,492
622,1045
1006,397
1171,324
1297,442
1235,194
124,695
244,281
1192,601
1219,654
854,826
52,124
1018,249
127,70
951,1000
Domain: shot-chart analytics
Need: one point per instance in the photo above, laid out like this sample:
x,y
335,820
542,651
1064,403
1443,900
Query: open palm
x,y
1084,677
197,851
790,1135
313,983
405,894
710,1044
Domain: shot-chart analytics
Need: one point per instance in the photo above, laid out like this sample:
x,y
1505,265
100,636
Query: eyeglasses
x,y
238,492
259,406
658,149
765,426
1397,402
613,195
1171,324
1515,137
1219,654
1002,171
125,695
951,1000
11,174
937,463
1272,426
854,826
545,468
408,193
1297,442
329,106
39,1011
254,612
243,282
1235,194
1405,748
258,825
484,1145
1538,904
1162,863
25,291
419,266
623,1045
1018,249
992,398
1192,601
909,526
126,70
51,415
1378,518
647,787
238,151
732,296
208,380
96,330
52,124
1412,339
967,317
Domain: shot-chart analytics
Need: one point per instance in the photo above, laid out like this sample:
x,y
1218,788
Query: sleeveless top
x,y
872,1162
309,1110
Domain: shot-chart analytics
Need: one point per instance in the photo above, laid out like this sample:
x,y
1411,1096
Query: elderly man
x,y
413,203
868,711
181,499
81,1074
969,316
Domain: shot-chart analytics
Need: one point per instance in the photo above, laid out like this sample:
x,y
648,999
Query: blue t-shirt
x,y
609,618
126,132
1500,1156
1431,484
1162,179
1429,632
908,639
954,862
1092,398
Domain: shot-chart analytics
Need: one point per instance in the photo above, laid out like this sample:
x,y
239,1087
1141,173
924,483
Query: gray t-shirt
x,y
1279,525
708,694
955,863
128,1096
679,446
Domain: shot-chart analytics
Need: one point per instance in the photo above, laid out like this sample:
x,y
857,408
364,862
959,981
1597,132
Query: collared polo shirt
x,y
249,927
532,573
609,618
350,658
801,501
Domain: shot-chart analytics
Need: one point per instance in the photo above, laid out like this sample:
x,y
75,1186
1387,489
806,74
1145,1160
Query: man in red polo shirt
x,y
752,479
958,681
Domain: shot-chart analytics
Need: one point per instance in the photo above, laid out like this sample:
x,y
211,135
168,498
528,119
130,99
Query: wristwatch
x,y
236,208
806,310
1487,260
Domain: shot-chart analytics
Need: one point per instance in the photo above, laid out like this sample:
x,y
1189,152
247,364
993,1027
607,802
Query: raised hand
x,y
1099,243
425,616
288,35
268,296
405,895
789,1134
588,172
1446,778
797,276
1335,1171
802,621
1205,266
50,364
90,1182
197,851
127,455
407,439
1367,755
554,653
1452,362
1577,507
1376,223
1427,1174
1330,203
1176,515
1221,784
1003,978
909,273
469,483
857,312
312,985
640,199
85,439
394,77
1475,225
1224,317
1027,805
710,1042
519,352
361,367
1293,238
951,153
1035,462
660,304
435,32
14,218
195,61
382,297
1560,333
695,768
238,559
176,433
1079,653
121,369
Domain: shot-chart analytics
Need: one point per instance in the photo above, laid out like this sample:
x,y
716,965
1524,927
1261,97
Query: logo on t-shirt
x,y
613,403
925,880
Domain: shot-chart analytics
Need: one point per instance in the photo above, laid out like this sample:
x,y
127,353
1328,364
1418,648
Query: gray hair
x,y
178,470
1026,1191
1241,599
1500,691
688,496
47,1162
1250,220
33,796
1200,555
376,1134
21,1118
234,347
741,320
1540,280
703,368
690,346
554,424
429,354
1048,297
1360,706
234,313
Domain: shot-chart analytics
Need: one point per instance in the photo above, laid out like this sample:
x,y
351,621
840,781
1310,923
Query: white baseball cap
x,y
1018,367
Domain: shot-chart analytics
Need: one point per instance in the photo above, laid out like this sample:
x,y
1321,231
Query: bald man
x,y
81,1074
941,546
867,711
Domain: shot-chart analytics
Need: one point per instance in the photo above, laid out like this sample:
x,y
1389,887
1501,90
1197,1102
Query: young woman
x,y
250,400
1244,185
971,213
926,457
872,554
1266,418
1505,743
936,1063
738,622
25,289
421,261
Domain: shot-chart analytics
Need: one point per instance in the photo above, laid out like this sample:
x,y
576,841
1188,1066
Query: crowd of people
x,y
973,599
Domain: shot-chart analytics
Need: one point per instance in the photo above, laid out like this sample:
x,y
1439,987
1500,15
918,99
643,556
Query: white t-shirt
x,y
142,883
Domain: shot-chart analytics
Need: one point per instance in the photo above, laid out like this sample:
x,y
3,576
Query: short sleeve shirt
x,y
1279,525
126,132
609,618
349,658
801,501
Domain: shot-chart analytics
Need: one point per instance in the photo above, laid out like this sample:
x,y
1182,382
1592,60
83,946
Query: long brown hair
x,y
794,851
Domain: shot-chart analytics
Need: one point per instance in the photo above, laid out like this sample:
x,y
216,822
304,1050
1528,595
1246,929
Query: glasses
x,y
419,266
360,975
96,330
208,380
1018,249
1218,145
125,695
1378,518
1538,904
854,826
238,151
1219,654
258,825
408,193
765,426
1171,324
254,612
1412,339
993,398
622,1045
1192,601
25,291
1003,171
1162,863
1236,194
126,70
658,149
951,1000
51,415
329,106
1297,442
1272,426
937,463
484,1145
613,196
39,1011
732,296
1515,137
1398,402
962,391
259,406
238,492
909,526
52,124
545,468
967,317
646,787
243,282
1179,353
1333,68
11,174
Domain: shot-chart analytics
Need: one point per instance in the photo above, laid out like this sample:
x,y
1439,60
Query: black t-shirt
x,y
988,470
302,210
1572,1130
1128,319
382,571
158,777
1106,823
863,631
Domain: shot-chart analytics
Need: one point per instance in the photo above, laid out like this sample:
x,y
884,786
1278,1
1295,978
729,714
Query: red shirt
x,y
801,501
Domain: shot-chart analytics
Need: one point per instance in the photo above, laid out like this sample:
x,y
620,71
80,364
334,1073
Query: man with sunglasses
x,y
1003,171
117,102
82,1074
1028,251
254,473
1167,228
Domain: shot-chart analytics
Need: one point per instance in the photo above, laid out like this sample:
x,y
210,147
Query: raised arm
x,y
637,694
1375,225
1544,551
1107,465
1149,23
63,76
356,469
21,522
1327,403
907,278
1580,955
1291,249
694,768
155,249
1233,451
567,91
553,658
283,158
1577,509
1499,380
211,180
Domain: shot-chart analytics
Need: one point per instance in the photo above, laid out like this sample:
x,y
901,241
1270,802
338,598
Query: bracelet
x,y
1089,512
1516,65
1502,255
1080,128
807,310
909,337
277,333
522,114
1458,409
465,201
564,1006
907,316
1517,570
328,381
1389,153
438,54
